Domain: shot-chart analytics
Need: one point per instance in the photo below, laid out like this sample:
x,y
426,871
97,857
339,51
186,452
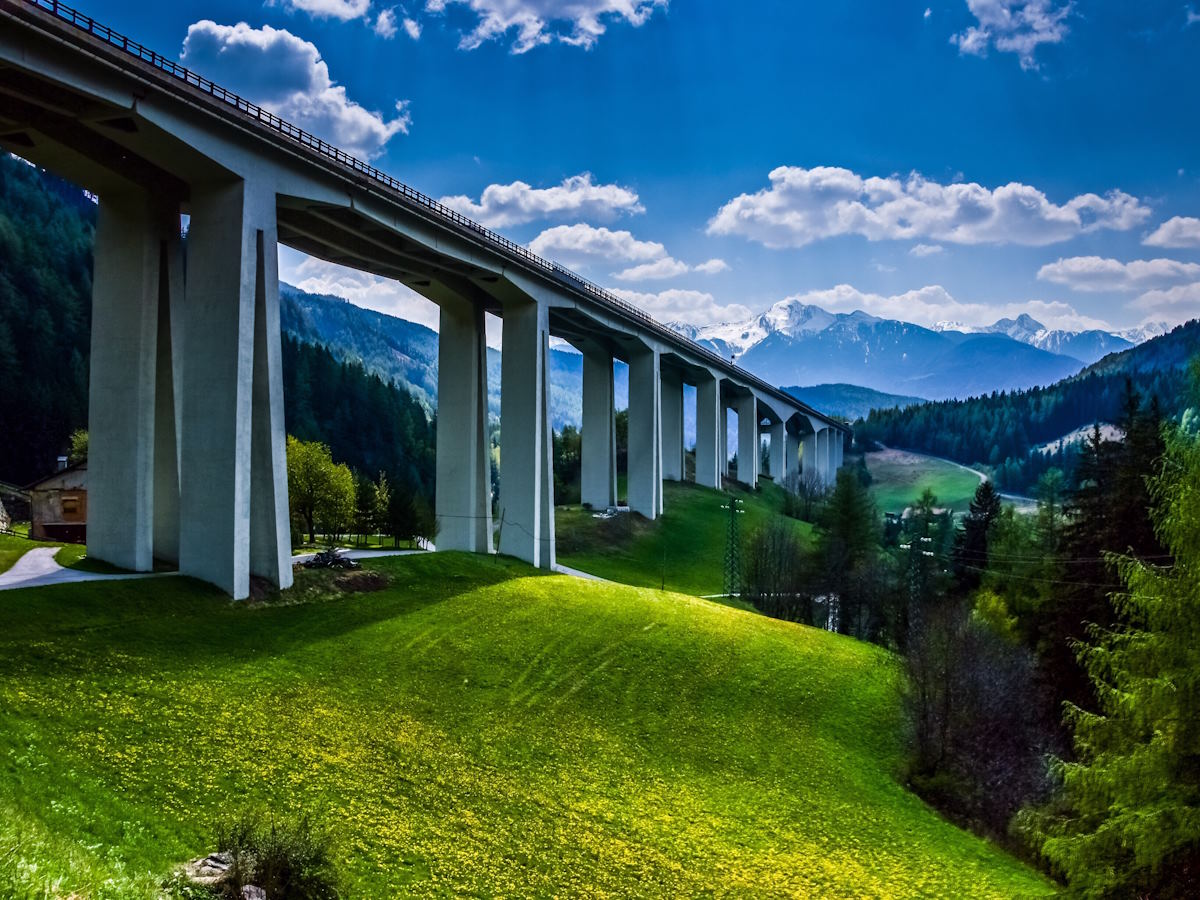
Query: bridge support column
x,y
598,477
747,413
526,474
233,475
808,455
133,506
645,434
464,470
672,427
723,435
839,451
791,461
776,457
709,420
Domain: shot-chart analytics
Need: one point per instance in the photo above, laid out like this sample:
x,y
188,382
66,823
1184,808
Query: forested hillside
x,y
999,430
46,230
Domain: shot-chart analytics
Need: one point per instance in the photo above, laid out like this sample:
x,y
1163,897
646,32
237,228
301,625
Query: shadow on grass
x,y
178,622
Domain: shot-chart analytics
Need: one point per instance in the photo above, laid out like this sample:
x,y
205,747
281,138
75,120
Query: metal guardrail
x,y
121,42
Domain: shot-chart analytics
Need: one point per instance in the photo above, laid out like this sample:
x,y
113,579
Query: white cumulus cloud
x,y
651,271
712,266
517,203
384,295
579,23
692,307
286,75
581,244
342,10
1094,273
1176,304
922,250
412,28
806,205
1013,26
385,24
1180,231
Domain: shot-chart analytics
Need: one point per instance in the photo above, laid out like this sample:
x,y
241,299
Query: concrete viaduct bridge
x,y
187,445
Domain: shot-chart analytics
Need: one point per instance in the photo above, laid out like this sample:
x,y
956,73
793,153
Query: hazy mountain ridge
x,y
849,401
797,343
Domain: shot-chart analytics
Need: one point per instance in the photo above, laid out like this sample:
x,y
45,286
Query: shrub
x,y
290,859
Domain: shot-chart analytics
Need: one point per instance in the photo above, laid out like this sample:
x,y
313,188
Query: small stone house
x,y
58,506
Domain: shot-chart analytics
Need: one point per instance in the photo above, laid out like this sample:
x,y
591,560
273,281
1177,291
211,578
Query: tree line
x,y
1051,662
1002,430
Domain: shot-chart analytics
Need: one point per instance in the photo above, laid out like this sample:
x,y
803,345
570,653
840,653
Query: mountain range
x,y
802,344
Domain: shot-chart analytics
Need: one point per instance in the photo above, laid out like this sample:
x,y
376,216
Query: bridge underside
x,y
187,457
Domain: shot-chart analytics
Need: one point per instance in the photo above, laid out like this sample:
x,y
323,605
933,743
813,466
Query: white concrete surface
x,y
671,406
644,483
747,416
776,454
526,474
598,463
464,469
709,420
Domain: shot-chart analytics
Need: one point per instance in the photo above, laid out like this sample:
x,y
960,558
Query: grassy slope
x,y
475,728
899,477
692,533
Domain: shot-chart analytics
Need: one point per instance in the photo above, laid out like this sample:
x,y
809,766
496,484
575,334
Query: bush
x,y
290,859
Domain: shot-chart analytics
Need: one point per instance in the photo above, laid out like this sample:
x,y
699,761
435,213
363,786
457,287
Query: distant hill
x,y
849,401
1001,430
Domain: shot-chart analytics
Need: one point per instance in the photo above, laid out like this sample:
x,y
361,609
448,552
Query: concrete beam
x,y
598,485
233,476
710,419
464,470
672,426
526,476
645,434
747,413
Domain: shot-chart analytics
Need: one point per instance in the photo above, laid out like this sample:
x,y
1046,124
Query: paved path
x,y
577,573
359,554
38,568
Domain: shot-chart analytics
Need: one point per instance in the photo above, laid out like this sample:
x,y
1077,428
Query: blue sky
x,y
956,160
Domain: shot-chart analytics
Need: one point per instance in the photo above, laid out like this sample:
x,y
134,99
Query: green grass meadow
x,y
899,477
685,547
475,728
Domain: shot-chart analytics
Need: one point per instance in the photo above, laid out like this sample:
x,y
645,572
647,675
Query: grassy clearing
x,y
475,728
687,543
899,477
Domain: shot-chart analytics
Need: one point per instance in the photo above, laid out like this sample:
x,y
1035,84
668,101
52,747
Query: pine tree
x,y
971,543
1128,823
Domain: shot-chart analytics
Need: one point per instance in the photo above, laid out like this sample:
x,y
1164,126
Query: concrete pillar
x,y
839,450
776,456
710,420
747,413
127,297
791,461
809,455
598,486
233,474
672,427
464,471
723,434
168,395
526,474
645,434
824,455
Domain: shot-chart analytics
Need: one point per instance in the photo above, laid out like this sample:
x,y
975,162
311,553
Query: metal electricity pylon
x,y
733,549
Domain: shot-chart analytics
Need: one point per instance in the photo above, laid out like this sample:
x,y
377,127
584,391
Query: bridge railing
x,y
115,39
